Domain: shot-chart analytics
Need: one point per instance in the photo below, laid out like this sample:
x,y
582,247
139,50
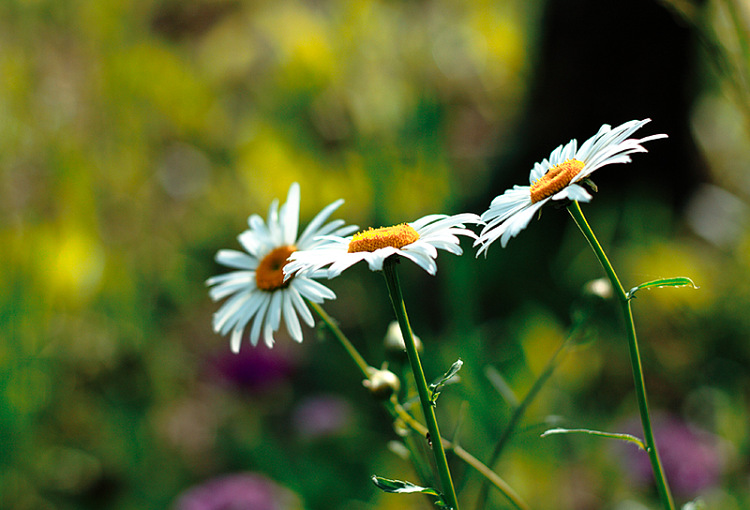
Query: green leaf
x,y
501,385
611,435
437,386
678,281
401,487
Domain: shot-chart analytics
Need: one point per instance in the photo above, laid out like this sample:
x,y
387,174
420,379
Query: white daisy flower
x,y
258,289
417,241
559,178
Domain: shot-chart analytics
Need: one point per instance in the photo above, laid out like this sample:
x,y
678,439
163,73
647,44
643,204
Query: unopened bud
x,y
394,340
601,287
382,383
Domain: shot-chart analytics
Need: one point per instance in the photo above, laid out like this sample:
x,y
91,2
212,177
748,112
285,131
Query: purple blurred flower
x,y
692,458
256,370
243,491
322,416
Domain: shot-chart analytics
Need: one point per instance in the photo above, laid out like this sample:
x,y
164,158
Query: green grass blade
x,y
610,435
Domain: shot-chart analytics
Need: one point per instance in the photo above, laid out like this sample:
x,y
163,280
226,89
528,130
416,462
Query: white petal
x,y
236,259
448,223
236,339
312,228
245,312
573,192
507,204
517,223
274,310
228,314
274,228
316,235
449,246
301,306
309,261
290,215
258,322
426,220
290,319
268,335
345,232
421,246
242,280
255,244
222,278
507,229
554,157
312,290
569,151
376,258
259,228
538,171
588,146
344,261
422,260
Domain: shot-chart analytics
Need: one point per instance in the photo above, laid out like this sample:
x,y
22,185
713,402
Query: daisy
x,y
559,178
258,290
417,241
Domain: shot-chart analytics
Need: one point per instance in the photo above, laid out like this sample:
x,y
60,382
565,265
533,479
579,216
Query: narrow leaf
x,y
678,281
611,435
402,487
501,386
437,386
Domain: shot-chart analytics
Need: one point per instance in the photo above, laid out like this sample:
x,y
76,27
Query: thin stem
x,y
345,343
397,300
397,411
515,418
467,457
635,357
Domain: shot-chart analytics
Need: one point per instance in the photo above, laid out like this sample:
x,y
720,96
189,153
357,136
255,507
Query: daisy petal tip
x,y
235,342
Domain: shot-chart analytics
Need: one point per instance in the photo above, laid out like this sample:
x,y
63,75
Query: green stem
x,y
397,411
394,290
343,340
472,461
515,419
635,357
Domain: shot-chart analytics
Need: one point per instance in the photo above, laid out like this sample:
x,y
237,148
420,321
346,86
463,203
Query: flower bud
x,y
382,383
601,287
394,340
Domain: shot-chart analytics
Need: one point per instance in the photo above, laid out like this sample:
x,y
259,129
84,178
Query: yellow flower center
x,y
373,239
555,179
270,274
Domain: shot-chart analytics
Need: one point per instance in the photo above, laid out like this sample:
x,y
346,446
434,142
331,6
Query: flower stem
x,y
635,357
397,411
342,339
394,290
516,417
467,457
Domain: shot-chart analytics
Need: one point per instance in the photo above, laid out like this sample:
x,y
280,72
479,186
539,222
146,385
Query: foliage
x,y
136,137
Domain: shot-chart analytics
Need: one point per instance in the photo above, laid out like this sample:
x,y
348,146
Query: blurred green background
x,y
137,136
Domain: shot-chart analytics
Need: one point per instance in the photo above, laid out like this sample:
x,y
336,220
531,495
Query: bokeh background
x,y
137,136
